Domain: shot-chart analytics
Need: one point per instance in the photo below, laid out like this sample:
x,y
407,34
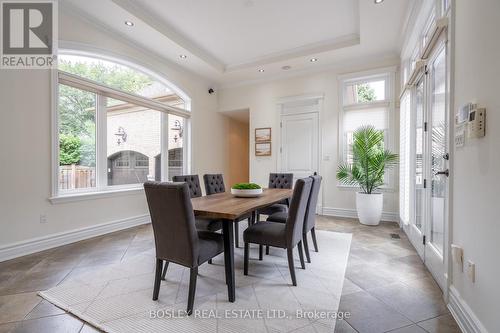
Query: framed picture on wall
x,y
263,134
263,149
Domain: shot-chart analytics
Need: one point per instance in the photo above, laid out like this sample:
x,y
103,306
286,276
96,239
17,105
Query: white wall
x,y
25,120
475,223
261,99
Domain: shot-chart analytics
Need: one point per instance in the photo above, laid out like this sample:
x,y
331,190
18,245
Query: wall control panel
x,y
470,123
476,123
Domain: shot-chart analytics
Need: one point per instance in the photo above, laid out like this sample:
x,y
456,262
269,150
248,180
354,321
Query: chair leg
x,y
245,260
210,261
301,255
236,234
192,289
306,247
291,267
261,251
250,221
267,249
156,289
313,235
257,217
164,270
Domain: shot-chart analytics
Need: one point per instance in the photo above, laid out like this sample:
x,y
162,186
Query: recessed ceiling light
x,y
378,1
183,56
129,23
313,59
261,70
285,68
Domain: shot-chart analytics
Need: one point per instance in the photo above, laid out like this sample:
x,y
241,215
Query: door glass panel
x,y
419,155
438,150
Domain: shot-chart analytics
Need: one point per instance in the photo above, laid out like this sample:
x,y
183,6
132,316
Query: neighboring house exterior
x,y
134,142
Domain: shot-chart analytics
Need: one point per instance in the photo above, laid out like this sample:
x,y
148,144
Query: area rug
x,y
117,298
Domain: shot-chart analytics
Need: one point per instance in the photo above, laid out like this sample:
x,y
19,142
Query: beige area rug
x,y
118,297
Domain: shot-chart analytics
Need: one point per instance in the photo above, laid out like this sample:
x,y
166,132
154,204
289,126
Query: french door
x,y
428,225
416,228
437,164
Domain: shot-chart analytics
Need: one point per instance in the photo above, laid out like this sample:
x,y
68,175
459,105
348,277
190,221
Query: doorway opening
x,y
238,146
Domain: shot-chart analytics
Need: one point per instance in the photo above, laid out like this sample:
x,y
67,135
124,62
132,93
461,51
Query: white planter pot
x,y
246,193
369,207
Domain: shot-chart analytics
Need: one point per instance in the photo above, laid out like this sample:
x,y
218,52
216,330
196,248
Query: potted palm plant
x,y
370,161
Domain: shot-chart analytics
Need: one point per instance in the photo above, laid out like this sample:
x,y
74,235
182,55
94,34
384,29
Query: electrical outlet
x,y
43,218
471,271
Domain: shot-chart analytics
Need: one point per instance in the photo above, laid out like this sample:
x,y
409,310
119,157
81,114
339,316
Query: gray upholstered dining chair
x,y
283,235
176,238
193,182
309,219
277,180
214,183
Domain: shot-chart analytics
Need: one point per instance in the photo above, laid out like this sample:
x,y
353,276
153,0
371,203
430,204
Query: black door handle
x,y
445,172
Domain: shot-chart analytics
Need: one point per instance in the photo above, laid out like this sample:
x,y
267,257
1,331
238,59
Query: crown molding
x,y
169,32
323,46
386,60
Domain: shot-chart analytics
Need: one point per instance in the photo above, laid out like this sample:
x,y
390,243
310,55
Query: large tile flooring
x,y
387,288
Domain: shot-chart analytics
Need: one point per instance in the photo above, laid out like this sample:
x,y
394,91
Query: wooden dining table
x,y
228,208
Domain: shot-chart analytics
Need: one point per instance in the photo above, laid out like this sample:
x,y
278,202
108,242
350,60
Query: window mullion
x,y
101,144
164,147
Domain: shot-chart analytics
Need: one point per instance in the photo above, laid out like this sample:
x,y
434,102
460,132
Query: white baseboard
x,y
346,212
463,314
38,244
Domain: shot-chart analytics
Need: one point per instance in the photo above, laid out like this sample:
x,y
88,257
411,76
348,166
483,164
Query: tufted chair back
x,y
176,238
214,183
298,206
310,218
193,182
280,180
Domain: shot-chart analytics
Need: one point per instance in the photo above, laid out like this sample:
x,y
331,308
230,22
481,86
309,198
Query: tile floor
x,y
386,289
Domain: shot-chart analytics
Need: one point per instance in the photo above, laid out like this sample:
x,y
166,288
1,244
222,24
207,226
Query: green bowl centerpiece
x,y
246,190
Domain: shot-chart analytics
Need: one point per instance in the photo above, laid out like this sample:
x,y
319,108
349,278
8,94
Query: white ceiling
x,y
228,41
239,32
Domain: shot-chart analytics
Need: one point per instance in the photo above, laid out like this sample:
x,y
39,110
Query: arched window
x,y
116,125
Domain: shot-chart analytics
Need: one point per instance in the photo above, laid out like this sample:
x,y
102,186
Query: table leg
x,y
227,230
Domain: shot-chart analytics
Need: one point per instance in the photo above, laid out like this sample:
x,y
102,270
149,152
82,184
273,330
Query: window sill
x,y
83,196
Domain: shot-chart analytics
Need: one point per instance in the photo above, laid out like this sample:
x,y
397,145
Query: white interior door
x,y
299,144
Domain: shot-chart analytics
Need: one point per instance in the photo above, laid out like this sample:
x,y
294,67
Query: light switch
x,y
457,253
471,271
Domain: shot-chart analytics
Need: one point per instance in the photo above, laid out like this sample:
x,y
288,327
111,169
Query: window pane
x,y
404,158
365,92
176,130
133,143
77,139
119,77
354,119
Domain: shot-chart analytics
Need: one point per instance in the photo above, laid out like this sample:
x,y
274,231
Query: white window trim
x,y
390,74
101,191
